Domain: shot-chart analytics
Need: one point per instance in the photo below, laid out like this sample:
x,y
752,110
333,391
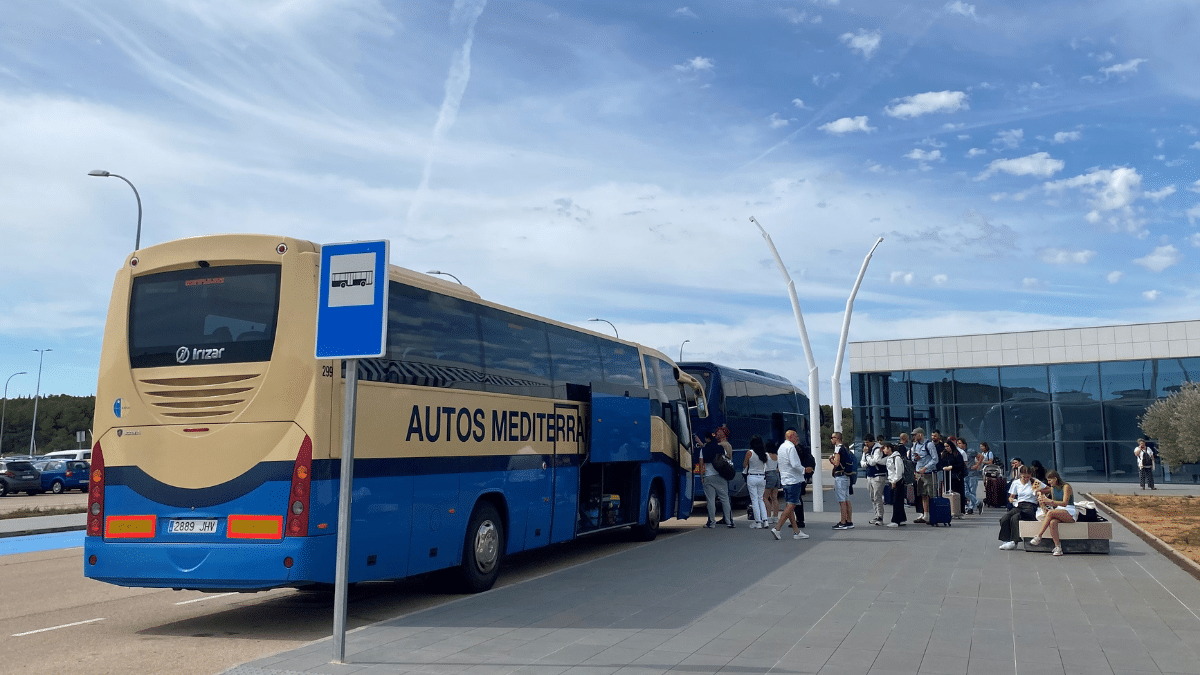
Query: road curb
x,y
1185,563
42,530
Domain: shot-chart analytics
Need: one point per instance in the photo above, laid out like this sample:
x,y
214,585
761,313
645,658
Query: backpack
x,y
723,466
910,471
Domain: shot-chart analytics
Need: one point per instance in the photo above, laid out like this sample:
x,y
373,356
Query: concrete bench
x,y
1075,537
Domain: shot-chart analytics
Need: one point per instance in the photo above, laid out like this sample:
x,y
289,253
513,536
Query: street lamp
x,y
4,409
681,349
445,274
611,324
137,243
38,392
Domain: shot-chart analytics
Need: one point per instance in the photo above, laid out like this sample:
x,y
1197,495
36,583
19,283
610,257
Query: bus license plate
x,y
193,526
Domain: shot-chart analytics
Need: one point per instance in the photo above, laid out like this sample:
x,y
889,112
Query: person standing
x,y
894,462
874,462
1145,462
974,473
715,487
925,455
793,475
755,465
843,464
771,494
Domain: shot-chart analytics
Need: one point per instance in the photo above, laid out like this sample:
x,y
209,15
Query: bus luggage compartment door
x,y
620,428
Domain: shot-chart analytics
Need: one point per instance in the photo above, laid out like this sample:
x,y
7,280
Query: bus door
x,y
564,473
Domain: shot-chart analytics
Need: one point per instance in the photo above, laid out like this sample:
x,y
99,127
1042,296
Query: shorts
x,y
841,488
792,493
773,480
925,486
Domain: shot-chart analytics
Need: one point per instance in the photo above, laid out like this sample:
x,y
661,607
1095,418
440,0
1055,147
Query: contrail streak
x,y
456,85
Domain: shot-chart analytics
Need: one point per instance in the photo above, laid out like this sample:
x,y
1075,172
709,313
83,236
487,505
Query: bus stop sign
x,y
352,300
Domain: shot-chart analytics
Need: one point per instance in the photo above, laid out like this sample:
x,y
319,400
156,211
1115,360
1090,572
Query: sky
x,y
1028,165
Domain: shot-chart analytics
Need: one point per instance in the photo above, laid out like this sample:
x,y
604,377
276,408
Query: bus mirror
x,y
701,407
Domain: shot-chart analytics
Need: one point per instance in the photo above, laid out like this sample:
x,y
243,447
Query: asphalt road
x,y
52,619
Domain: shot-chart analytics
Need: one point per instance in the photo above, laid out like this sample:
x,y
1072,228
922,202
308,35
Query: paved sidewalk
x,y
18,527
876,600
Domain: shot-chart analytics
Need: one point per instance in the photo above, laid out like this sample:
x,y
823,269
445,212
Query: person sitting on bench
x,y
1023,495
1058,501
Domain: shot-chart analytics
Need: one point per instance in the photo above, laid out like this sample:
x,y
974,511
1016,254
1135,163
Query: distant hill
x,y
58,418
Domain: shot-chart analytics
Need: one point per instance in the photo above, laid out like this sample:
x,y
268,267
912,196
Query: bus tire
x,y
654,512
483,549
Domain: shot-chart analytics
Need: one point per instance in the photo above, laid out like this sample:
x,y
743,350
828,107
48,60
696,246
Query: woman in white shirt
x,y
771,495
755,466
1023,495
894,461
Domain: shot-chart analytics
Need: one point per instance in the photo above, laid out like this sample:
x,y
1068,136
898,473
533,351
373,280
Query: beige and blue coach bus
x,y
483,432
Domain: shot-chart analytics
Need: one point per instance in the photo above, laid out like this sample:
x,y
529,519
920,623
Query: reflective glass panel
x,y
1078,422
621,365
1028,452
1120,380
931,387
1024,383
1081,460
896,420
977,385
896,392
980,423
1121,421
1075,382
1122,465
1173,373
1027,422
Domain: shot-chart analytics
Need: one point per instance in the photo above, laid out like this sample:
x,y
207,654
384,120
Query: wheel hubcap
x,y
487,546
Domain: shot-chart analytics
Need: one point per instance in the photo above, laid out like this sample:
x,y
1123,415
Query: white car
x,y
85,455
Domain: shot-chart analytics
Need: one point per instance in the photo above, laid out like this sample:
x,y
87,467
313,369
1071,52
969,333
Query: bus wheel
x,y
483,549
654,514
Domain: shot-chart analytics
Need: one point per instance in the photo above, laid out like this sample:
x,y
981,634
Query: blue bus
x,y
484,431
749,402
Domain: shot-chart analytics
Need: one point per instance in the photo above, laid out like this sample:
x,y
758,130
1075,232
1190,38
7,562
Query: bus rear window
x,y
203,316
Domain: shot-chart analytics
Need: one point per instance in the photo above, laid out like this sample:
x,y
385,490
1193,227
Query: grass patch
x,y
27,512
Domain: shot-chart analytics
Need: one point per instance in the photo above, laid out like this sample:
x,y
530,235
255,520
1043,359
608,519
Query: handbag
x,y
723,466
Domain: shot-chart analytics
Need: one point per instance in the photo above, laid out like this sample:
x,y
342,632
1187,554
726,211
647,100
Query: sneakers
x,y
1035,541
876,521
731,526
1057,550
762,525
920,520
753,525
893,525
1008,546
844,526
710,525
799,535
849,526
775,533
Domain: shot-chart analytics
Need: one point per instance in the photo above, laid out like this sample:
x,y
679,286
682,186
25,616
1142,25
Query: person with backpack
x,y
894,462
873,461
716,486
925,455
1145,461
842,460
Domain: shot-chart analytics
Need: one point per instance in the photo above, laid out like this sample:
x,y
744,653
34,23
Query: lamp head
x,y
100,173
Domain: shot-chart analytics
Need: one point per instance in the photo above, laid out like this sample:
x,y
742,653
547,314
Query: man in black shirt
x,y
715,487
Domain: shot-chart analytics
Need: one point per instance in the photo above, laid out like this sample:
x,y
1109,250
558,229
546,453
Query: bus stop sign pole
x,y
352,305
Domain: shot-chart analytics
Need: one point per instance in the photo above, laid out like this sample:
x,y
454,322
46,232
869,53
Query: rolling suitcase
x,y
995,489
939,511
954,498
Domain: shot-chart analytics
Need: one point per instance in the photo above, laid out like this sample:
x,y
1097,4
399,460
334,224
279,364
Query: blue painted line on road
x,y
41,542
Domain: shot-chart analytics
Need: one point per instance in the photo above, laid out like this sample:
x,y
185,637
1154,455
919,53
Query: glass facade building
x,y
1080,417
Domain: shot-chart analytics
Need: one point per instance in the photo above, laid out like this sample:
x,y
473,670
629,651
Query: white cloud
x,y
1160,259
686,11
1195,146
1122,69
1113,192
929,102
794,16
1193,214
847,124
1151,295
863,42
1060,256
822,80
1009,138
1066,137
1194,240
1194,187
1039,164
975,152
940,279
1160,194
697,63
960,7
1115,276
799,104
1030,282
775,121
925,155
902,278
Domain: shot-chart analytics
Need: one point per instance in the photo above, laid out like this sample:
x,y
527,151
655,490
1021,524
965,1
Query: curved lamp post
x,y
33,431
4,409
681,348
445,274
611,324
137,243
836,379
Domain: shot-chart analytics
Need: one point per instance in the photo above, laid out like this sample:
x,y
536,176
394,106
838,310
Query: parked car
x,y
60,475
19,475
85,455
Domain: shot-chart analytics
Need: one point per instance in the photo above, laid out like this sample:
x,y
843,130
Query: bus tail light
x,y
297,513
95,512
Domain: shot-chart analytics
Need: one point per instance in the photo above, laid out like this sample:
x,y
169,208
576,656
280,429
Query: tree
x,y
1175,422
827,427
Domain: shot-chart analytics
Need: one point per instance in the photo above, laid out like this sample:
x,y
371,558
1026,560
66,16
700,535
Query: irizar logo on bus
x,y
185,354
